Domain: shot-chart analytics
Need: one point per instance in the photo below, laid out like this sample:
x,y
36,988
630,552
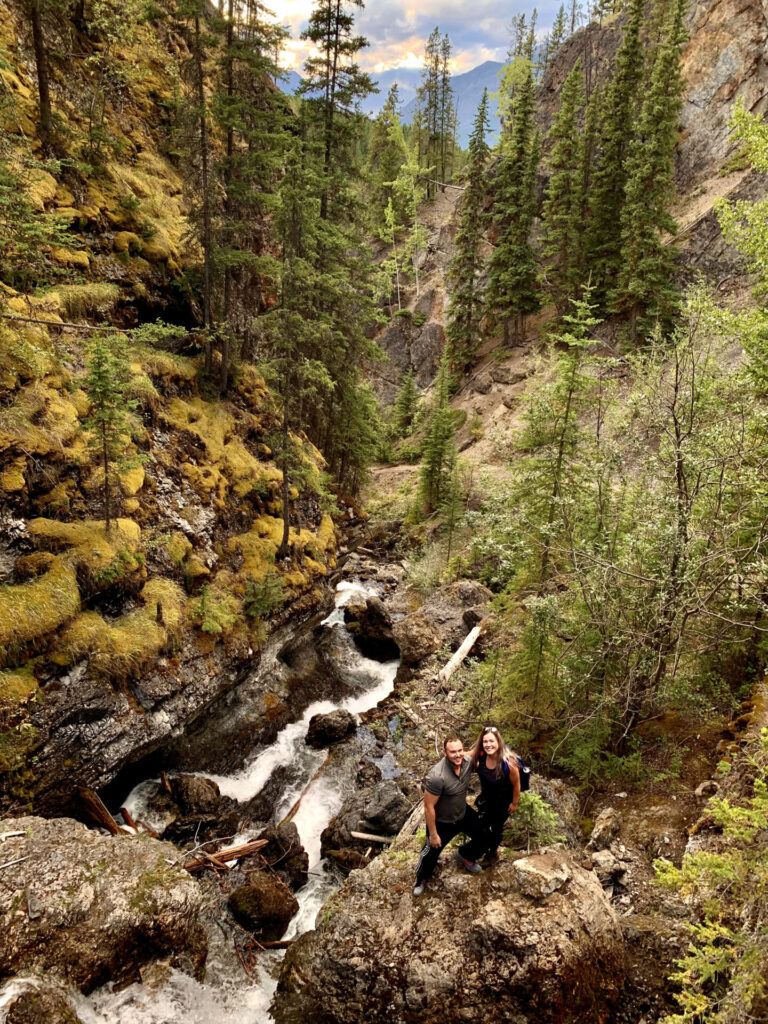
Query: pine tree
x,y
406,405
645,290
556,36
447,115
428,96
465,308
620,106
562,212
385,156
512,278
335,85
108,420
439,447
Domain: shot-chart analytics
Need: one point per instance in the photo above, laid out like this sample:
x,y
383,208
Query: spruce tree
x,y
428,96
512,291
406,405
108,419
645,290
447,118
439,455
618,116
465,308
562,212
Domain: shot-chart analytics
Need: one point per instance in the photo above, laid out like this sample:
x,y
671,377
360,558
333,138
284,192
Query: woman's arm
x,y
514,778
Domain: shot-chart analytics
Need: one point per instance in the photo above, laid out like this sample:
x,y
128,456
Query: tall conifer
x,y
439,456
512,291
607,193
645,286
562,214
466,302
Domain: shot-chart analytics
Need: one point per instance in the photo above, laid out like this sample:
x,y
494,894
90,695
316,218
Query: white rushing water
x,y
229,996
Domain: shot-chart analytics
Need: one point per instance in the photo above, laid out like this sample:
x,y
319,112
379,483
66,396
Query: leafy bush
x,y
534,823
263,596
213,613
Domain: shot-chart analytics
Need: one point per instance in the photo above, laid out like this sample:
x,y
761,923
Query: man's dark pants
x,y
469,825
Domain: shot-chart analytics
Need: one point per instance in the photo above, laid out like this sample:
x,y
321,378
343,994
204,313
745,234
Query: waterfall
x,y
228,995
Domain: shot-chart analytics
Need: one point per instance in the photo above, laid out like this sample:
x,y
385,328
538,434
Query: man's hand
x,y
512,808
435,841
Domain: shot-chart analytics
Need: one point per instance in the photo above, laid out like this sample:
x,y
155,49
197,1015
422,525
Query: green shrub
x,y
534,823
213,613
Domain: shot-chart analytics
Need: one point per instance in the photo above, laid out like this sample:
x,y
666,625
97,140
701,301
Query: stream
x,y
229,995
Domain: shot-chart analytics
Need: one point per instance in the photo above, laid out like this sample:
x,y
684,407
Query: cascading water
x,y
229,996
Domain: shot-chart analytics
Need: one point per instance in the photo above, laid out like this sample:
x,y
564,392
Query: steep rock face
x,y
380,955
724,60
90,908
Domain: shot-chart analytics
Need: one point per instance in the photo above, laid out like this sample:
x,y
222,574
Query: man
x,y
446,811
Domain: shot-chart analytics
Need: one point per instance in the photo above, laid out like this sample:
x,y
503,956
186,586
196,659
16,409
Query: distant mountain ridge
x,y
467,92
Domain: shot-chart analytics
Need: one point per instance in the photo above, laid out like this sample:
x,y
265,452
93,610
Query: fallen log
x,y
221,856
371,838
412,824
290,815
95,809
128,819
447,671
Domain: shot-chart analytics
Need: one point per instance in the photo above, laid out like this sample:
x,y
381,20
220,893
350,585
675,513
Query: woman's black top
x,y
494,790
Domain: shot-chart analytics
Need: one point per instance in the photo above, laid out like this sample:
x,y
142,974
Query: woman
x,y
497,767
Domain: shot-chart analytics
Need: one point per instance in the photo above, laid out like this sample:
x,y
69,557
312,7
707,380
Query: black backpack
x,y
525,774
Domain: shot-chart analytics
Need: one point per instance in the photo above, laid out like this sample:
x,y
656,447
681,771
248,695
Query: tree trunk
x,y
283,549
41,63
207,246
105,459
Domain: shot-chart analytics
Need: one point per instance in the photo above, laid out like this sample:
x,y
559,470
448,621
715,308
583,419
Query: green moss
x,y
121,649
94,298
18,686
32,610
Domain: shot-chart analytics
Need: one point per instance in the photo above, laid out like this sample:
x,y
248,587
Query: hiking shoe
x,y
471,866
418,889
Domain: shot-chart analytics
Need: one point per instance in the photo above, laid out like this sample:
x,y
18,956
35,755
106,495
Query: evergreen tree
x,y
439,455
385,156
335,85
556,36
618,117
512,277
447,116
645,289
465,308
406,405
428,97
108,419
563,208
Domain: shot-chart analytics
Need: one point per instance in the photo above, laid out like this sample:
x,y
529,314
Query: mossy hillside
x,y
30,612
123,648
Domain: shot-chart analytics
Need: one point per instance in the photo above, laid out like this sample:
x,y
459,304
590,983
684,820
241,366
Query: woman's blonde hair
x,y
506,756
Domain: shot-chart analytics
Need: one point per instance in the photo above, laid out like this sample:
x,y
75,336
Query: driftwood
x,y
128,819
10,863
221,856
290,815
412,824
94,807
447,671
10,835
371,838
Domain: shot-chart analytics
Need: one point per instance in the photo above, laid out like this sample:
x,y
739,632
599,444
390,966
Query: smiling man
x,y
446,811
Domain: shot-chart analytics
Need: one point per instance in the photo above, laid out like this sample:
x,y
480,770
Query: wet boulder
x,y
285,854
325,730
90,908
370,625
203,813
379,810
264,905
195,794
40,1002
551,956
416,637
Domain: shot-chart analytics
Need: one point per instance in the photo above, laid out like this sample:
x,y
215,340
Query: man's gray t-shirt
x,y
443,782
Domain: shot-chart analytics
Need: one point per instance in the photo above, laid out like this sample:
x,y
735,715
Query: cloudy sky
x,y
398,29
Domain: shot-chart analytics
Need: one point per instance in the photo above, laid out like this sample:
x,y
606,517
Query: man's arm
x,y
430,802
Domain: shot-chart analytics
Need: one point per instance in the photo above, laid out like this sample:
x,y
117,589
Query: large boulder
x,y
416,637
370,625
286,855
39,1002
446,607
331,728
91,908
380,809
540,945
264,905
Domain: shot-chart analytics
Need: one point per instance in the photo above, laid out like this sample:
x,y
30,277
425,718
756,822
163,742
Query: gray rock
x,y
370,625
706,789
264,905
331,728
386,808
506,375
482,385
607,867
606,828
541,874
194,794
383,956
416,637
286,855
41,1002
104,904
445,609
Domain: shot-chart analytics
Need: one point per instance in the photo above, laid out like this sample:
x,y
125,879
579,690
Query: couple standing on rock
x,y
445,802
